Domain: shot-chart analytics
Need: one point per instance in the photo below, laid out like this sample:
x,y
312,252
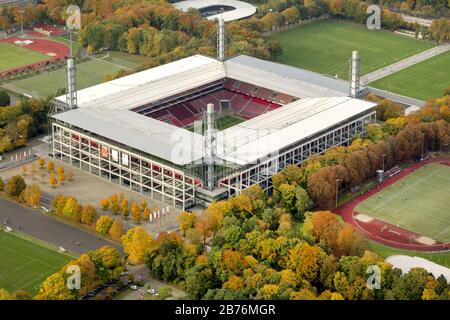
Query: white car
x,y
134,287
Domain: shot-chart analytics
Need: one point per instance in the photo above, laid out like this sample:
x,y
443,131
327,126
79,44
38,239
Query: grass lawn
x,y
228,121
423,81
419,202
89,73
24,264
325,46
12,56
442,258
125,59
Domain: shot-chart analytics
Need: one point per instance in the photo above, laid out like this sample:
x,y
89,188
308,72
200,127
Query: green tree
x,y
4,98
103,224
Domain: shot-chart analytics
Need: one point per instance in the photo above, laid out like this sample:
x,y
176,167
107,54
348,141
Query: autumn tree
x,y
61,175
124,208
52,180
186,221
88,215
15,185
136,242
136,213
50,166
117,229
104,203
146,214
32,195
103,224
41,162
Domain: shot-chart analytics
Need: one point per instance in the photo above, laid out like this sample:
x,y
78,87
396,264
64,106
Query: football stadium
x,y
201,129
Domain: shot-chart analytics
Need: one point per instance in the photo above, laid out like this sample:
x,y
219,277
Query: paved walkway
x,y
38,225
397,97
405,63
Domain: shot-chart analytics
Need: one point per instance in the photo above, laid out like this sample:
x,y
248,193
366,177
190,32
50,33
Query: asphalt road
x,y
38,225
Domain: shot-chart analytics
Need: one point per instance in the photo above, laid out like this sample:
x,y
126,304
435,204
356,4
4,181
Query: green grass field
x,y
325,46
89,73
419,202
24,264
227,121
423,81
12,56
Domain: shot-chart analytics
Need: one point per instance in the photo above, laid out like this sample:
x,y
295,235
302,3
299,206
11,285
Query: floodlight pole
x,y
221,40
21,22
210,147
337,188
384,156
354,74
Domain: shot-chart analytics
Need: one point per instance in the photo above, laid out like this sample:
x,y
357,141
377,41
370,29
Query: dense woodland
x,y
283,246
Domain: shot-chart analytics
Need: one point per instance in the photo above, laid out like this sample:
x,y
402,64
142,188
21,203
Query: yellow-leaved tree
x,y
136,242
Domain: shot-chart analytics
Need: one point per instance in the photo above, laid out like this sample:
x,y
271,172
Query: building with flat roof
x,y
201,129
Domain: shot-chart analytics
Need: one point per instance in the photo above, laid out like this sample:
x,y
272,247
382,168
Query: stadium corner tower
x,y
200,129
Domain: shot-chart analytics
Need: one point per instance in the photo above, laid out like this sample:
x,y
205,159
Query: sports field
x,y
419,202
325,46
24,265
423,81
227,121
89,73
12,56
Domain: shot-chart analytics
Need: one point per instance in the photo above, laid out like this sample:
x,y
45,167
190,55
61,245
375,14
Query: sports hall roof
x,y
241,9
105,109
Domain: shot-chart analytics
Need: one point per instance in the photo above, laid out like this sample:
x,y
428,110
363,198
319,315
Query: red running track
x,y
387,233
59,52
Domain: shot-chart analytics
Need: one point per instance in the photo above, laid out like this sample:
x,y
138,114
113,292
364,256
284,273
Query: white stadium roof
x,y
241,9
104,109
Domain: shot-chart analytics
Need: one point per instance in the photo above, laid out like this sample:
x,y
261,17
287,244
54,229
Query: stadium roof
x,y
256,138
241,9
105,109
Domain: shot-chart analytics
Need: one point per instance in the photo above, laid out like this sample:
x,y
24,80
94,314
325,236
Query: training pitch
x,y
24,264
419,202
12,56
325,46
423,81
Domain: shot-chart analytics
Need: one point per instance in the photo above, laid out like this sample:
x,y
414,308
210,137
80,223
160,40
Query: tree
x,y
146,214
117,229
199,279
136,213
5,295
323,226
24,169
306,260
103,224
55,288
2,184
350,242
61,175
411,285
124,208
4,98
186,221
32,195
104,203
15,186
136,242
52,180
72,209
41,162
115,208
88,215
50,166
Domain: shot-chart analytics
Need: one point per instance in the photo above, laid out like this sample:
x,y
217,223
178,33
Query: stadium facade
x,y
162,132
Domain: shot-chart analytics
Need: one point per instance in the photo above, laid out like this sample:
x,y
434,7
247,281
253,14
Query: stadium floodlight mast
x,y
21,11
337,189
384,156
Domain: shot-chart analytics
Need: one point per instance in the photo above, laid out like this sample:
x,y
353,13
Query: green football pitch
x,y
419,202
325,46
12,56
227,121
89,73
24,264
423,81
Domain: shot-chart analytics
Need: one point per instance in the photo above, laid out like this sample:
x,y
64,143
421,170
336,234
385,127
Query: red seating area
x,y
243,105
